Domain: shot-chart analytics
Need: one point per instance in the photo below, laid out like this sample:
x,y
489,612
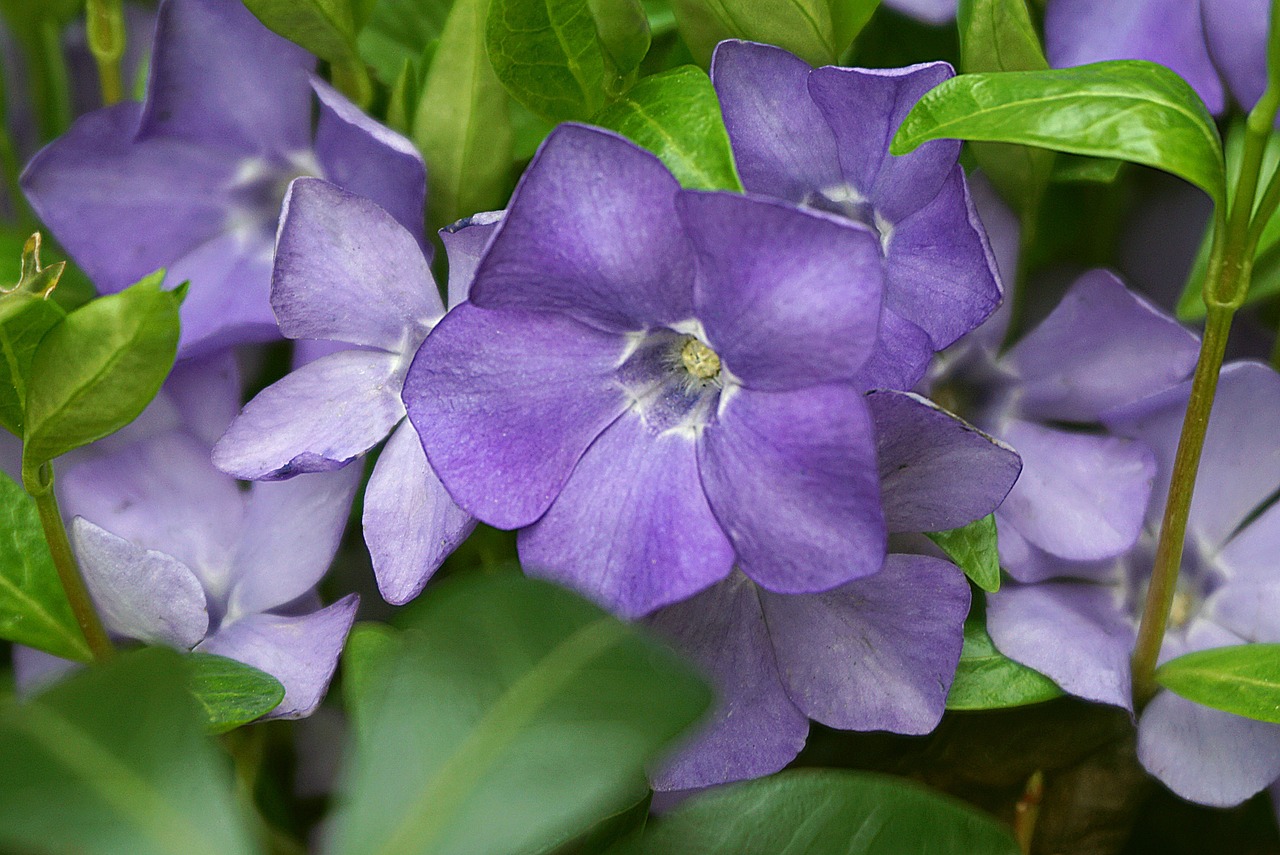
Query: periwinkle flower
x,y
820,138
1079,626
192,179
928,11
877,653
346,271
654,383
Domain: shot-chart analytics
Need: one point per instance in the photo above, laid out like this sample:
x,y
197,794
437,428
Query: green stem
x,y
52,80
105,28
41,489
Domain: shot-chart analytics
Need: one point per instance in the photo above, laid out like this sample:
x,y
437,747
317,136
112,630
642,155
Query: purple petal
x,y
631,529
34,670
781,141
140,593
290,535
346,270
788,299
219,78
506,402
792,478
1102,347
1075,633
228,302
929,11
370,160
124,209
1169,32
1028,563
206,393
410,522
1080,496
300,652
875,654
1236,34
1250,556
901,355
1206,755
864,108
464,243
754,728
936,471
316,419
162,494
591,231
940,273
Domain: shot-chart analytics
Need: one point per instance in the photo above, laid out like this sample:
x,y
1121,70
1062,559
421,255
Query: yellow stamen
x,y
700,360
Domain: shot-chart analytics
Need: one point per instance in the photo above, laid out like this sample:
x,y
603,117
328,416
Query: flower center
x,y
673,378
700,360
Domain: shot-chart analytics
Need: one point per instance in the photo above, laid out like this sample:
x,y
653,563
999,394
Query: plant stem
x,y
105,29
55,533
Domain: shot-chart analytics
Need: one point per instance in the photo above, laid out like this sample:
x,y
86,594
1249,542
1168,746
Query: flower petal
x,y
878,653
464,243
900,357
591,231
206,393
1235,33
316,419
631,529
228,302
792,478
410,523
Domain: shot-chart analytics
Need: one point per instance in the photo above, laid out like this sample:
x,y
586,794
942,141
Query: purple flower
x,y
929,11
1083,494
820,138
347,271
876,653
192,179
1079,626
655,383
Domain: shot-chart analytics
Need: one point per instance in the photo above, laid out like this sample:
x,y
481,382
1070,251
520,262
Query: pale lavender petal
x,y
308,350
864,107
206,393
875,654
940,273
1236,33
1250,556
140,593
300,652
792,478
316,419
506,402
929,11
1004,237
124,209
370,160
410,523
346,270
936,471
34,670
464,244
219,78
1028,563
781,141
227,303
1102,347
1249,609
163,494
290,535
754,728
1075,633
631,529
1165,31
788,299
1080,496
591,231
1206,755
901,355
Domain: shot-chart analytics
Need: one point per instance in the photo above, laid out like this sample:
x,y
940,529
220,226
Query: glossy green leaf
x,y
804,27
986,679
623,29
96,371
328,29
231,693
848,17
114,762
399,31
1072,168
33,608
462,124
1241,679
552,55
24,323
973,548
1128,110
820,811
676,115
512,715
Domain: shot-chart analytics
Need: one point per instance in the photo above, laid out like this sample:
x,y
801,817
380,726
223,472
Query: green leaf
x,y
552,56
1128,110
462,124
328,29
1242,679
512,715
33,608
986,679
1074,169
399,31
848,17
371,648
96,371
23,324
973,548
804,27
676,115
231,693
824,811
623,28
113,762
